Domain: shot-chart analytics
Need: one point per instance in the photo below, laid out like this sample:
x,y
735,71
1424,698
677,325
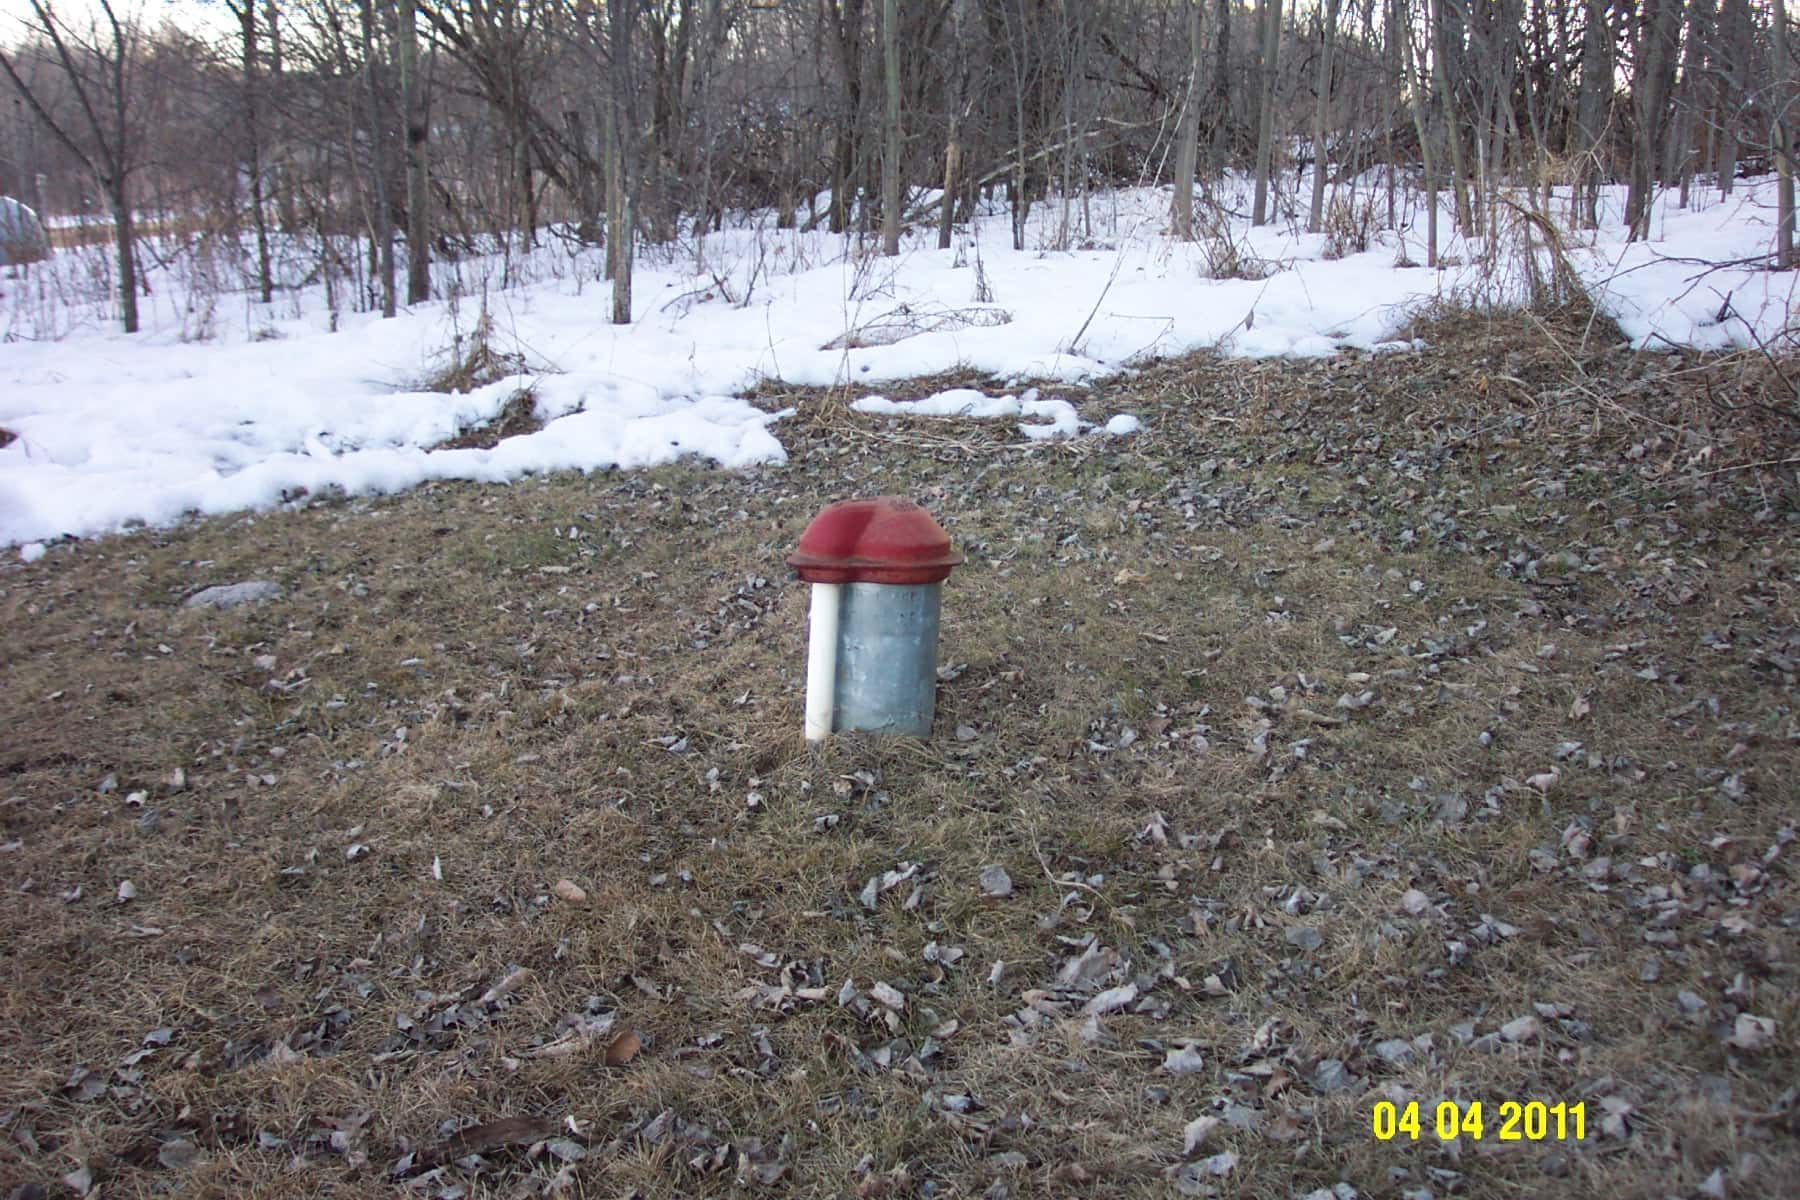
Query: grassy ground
x,y
1374,729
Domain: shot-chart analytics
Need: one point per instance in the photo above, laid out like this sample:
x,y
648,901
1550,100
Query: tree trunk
x,y
890,152
621,16
1181,213
846,40
1449,111
1315,219
1658,34
956,79
415,111
265,284
382,228
125,244
1782,138
1269,17
1220,142
281,170
1734,19
1596,86
1415,81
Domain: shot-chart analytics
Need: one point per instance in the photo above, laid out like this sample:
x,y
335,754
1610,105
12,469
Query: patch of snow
x,y
31,551
258,405
1059,418
1123,425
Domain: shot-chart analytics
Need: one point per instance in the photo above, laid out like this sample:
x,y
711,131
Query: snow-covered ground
x,y
225,404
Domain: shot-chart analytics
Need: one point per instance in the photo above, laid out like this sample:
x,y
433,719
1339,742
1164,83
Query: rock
x,y
995,881
569,890
1397,1051
1305,937
1183,1061
1521,1029
1331,1076
234,595
1752,1032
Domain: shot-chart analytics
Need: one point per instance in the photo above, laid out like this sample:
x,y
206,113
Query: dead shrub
x,y
1226,256
1349,227
906,321
473,360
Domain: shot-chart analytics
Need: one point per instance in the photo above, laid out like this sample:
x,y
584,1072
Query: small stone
x,y
1305,937
568,889
127,891
234,595
1521,1029
1397,1051
1331,1076
887,994
995,881
1184,1061
1415,902
1752,1032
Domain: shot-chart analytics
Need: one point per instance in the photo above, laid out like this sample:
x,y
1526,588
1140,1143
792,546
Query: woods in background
x,y
349,142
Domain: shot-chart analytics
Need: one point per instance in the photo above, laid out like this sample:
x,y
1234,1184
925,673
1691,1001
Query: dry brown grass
x,y
324,1014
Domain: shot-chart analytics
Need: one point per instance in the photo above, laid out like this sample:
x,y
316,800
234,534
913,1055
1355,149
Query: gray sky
x,y
15,15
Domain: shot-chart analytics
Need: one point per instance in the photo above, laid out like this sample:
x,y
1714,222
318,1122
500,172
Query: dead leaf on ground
x,y
478,1139
623,1049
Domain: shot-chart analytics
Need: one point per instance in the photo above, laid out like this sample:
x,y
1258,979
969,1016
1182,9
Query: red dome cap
x,y
885,540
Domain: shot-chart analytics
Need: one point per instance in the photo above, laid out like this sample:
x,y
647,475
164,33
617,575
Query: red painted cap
x,y
885,540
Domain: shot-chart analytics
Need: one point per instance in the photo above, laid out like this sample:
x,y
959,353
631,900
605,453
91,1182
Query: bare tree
x,y
621,147
1414,81
890,154
1187,145
245,13
956,107
105,132
1781,137
1269,62
415,111
1657,33
1591,112
1328,17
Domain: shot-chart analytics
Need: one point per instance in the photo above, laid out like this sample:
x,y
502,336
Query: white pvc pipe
x,y
821,660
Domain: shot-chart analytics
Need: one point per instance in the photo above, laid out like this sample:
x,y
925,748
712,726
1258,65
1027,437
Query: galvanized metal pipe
x,y
887,658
